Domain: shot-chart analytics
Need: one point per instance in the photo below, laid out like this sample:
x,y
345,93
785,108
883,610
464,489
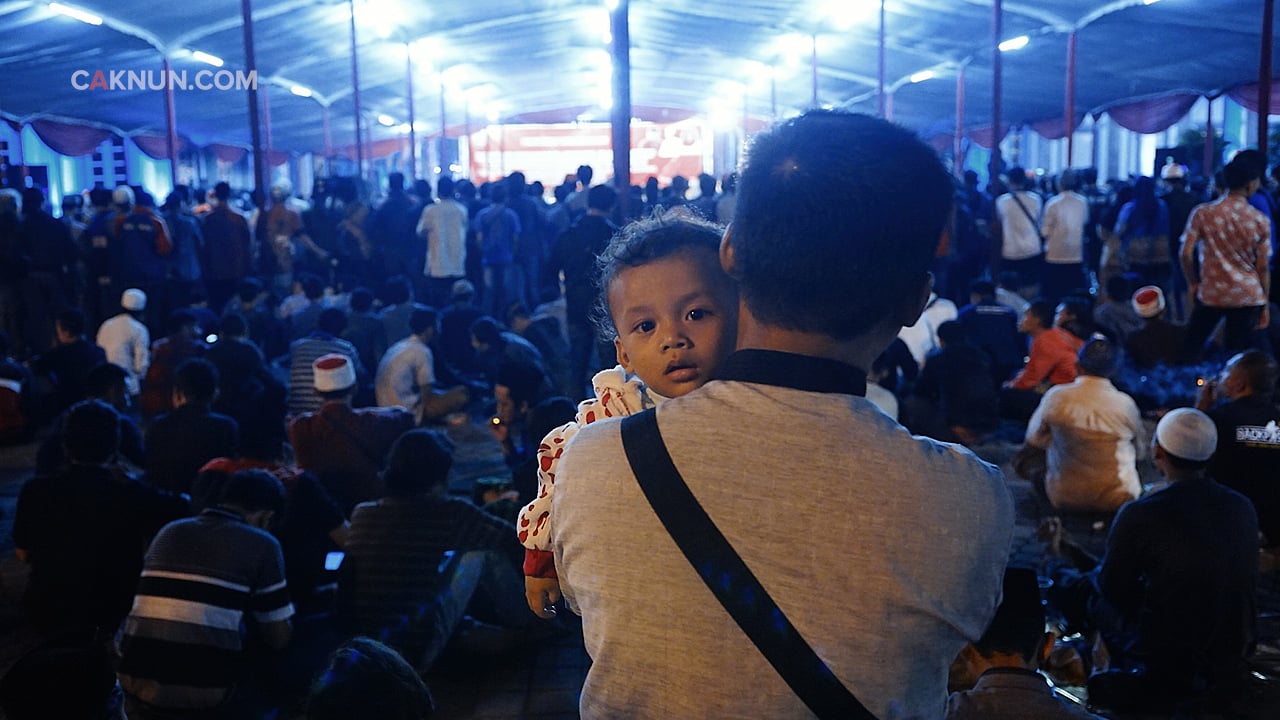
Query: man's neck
x,y
859,352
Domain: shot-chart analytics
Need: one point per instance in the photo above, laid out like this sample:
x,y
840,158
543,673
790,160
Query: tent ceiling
x,y
521,58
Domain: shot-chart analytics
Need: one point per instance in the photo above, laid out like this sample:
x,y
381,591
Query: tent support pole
x,y
621,112
997,85
1264,73
171,130
1070,103
255,128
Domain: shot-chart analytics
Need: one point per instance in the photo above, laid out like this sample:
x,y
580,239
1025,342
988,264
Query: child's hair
x,y
643,242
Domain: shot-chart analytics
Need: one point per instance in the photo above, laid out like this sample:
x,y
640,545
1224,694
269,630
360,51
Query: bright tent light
x,y
386,120
845,14
206,58
77,13
922,76
1014,43
300,91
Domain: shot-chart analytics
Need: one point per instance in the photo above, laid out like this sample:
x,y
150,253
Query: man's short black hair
x,y
1099,358
312,286
837,221
1259,371
332,321
398,289
419,461
361,299
983,288
1018,626
72,322
91,433
486,330
421,318
368,679
222,191
32,200
252,491
1239,173
249,289
1043,310
1119,288
103,378
952,332
584,174
602,197
444,188
526,382
234,325
197,379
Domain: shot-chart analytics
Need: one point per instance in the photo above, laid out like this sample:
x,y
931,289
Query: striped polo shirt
x,y
183,638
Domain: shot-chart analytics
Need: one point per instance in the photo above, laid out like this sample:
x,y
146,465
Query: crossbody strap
x,y
729,578
1034,222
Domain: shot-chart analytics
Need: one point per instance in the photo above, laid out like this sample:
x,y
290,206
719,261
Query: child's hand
x,y
542,594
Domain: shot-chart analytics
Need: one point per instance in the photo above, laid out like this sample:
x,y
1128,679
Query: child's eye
x,y
644,326
697,314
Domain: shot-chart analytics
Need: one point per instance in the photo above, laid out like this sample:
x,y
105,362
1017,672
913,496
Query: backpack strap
x,y
729,578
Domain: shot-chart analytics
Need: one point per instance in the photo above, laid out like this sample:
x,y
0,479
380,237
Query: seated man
x,y
955,399
62,370
107,383
182,650
1093,435
993,328
83,529
406,374
180,442
1174,595
1051,361
391,584
1158,341
1247,458
1005,660
344,447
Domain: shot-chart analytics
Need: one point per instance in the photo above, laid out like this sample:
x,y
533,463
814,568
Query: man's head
x,y
334,376
1016,636
952,333
32,201
184,324
444,188
982,290
91,433
517,387
1242,175
249,290
398,290
222,192
1098,358
1018,178
234,325
312,287
584,175
462,292
195,382
365,678
69,326
419,462
602,198
122,197
256,494
106,382
1248,373
133,300
1037,318
361,300
837,220
1184,441
485,333
395,182
332,321
422,322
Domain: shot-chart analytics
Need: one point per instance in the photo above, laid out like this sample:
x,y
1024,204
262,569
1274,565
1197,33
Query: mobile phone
x,y
333,560
495,421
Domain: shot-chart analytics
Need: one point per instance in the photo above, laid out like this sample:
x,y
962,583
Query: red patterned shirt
x,y
1232,236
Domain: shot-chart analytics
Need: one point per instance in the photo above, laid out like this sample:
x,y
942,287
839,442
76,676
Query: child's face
x,y
676,319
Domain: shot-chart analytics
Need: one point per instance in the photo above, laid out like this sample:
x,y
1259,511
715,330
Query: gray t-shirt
x,y
884,550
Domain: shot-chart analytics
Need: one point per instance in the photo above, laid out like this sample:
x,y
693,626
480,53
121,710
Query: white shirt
x,y
405,374
1094,437
444,224
1064,220
127,343
1021,240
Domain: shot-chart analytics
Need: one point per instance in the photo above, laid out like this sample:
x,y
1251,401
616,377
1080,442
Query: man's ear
x,y
909,311
727,260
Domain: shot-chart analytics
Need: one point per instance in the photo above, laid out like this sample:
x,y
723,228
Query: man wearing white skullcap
x,y
1174,596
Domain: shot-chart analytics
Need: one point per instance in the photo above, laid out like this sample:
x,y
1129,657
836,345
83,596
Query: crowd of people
x,y
293,414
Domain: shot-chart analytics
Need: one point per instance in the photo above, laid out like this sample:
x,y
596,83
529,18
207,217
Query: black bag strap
x,y
729,578
1034,222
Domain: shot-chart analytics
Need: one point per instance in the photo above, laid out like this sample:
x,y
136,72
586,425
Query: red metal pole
x,y
881,102
255,130
1264,73
266,126
620,117
997,84
171,129
1071,96
958,147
